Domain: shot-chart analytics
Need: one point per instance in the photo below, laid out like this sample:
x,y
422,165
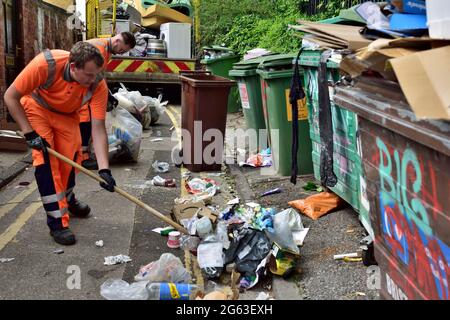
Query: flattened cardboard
x,y
424,78
187,211
349,34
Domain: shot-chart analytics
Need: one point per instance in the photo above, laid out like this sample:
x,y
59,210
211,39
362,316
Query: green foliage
x,y
332,8
247,24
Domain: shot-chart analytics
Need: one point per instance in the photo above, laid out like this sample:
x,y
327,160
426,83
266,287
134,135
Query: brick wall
x,y
42,26
46,27
2,66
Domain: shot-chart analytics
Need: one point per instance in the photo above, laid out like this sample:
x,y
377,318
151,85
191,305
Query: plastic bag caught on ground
x,y
168,268
128,130
210,258
222,234
156,105
248,252
117,289
284,223
318,205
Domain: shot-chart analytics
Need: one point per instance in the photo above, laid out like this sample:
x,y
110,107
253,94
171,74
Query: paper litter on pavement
x,y
112,260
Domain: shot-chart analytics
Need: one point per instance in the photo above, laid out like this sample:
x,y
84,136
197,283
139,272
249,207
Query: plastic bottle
x,y
171,291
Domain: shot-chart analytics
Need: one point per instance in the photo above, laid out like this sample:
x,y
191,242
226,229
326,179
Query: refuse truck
x,y
103,20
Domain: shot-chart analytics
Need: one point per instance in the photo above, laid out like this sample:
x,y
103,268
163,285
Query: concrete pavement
x,y
38,273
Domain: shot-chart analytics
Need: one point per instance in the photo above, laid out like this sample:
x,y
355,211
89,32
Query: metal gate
x,y
100,18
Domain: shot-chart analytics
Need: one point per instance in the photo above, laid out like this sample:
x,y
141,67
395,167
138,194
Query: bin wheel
x,y
368,256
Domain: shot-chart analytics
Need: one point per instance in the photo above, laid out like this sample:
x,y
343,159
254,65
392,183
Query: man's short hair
x,y
83,52
128,39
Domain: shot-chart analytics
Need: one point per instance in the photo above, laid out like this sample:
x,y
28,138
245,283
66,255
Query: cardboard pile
x,y
394,45
333,36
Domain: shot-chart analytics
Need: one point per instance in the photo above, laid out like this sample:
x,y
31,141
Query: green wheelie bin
x,y
220,65
275,74
249,86
347,163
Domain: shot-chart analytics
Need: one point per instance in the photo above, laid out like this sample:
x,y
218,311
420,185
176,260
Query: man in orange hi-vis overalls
x,y
45,100
118,44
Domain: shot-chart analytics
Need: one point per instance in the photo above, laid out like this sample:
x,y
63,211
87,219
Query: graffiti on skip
x,y
397,192
405,222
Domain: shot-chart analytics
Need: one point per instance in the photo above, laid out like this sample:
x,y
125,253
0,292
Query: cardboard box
x,y
424,78
187,211
347,35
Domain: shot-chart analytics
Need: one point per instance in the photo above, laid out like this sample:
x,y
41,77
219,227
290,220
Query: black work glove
x,y
35,141
110,182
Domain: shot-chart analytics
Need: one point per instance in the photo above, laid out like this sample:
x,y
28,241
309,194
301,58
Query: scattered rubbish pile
x,y
164,279
244,238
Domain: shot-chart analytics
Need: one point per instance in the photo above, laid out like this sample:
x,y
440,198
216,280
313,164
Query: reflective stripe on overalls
x,y
55,178
51,77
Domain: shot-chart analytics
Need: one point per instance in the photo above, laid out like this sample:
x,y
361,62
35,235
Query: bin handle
x,y
193,72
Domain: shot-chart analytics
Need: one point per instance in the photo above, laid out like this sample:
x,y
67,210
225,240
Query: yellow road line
x,y
4,209
14,228
174,121
172,117
188,262
198,275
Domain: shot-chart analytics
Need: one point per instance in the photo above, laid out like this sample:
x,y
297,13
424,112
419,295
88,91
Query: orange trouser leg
x,y
55,178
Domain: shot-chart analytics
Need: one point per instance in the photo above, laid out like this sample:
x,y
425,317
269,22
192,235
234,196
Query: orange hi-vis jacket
x,y
105,47
46,80
52,100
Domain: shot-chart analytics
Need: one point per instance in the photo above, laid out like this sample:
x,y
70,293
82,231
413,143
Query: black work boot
x,y
63,236
90,164
79,209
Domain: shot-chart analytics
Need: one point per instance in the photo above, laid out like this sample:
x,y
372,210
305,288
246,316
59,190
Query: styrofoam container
x,y
438,16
